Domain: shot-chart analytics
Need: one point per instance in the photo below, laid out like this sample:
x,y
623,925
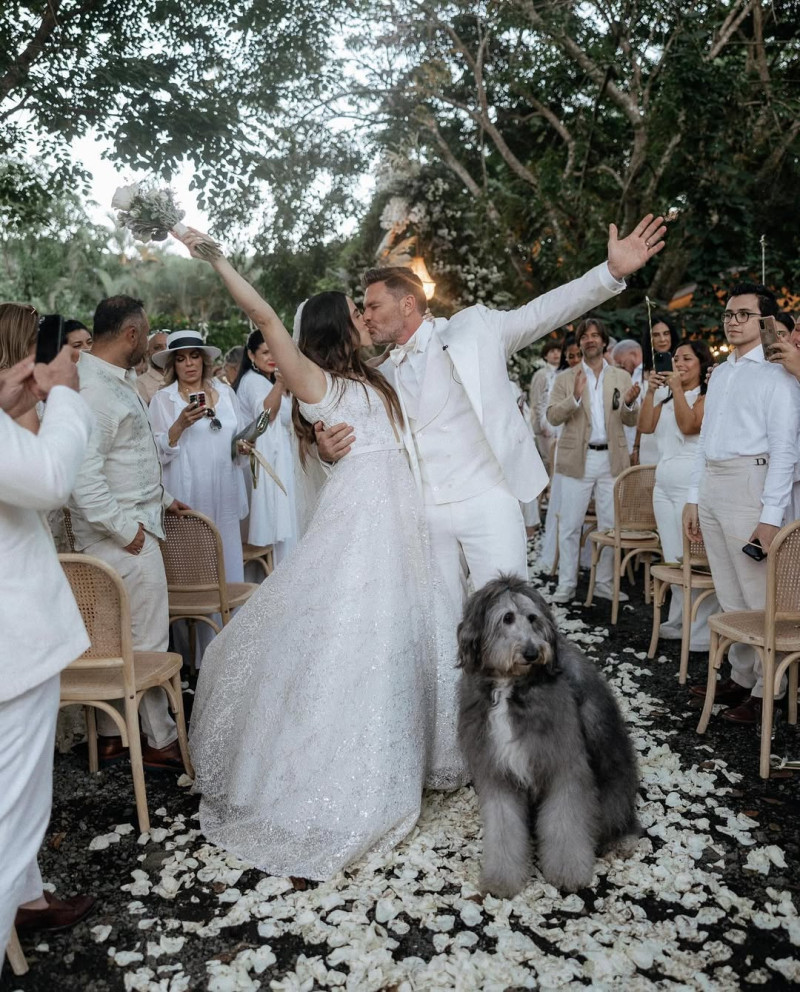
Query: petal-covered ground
x,y
709,900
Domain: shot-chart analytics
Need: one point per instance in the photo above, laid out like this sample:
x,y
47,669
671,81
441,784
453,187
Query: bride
x,y
313,708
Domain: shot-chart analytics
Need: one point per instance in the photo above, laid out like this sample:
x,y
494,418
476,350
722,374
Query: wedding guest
x,y
608,354
77,335
663,340
592,401
672,409
152,379
42,630
742,481
194,448
260,387
19,326
538,392
117,508
230,368
787,353
570,353
628,355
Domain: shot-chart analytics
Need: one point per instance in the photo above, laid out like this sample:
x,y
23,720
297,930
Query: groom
x,y
471,451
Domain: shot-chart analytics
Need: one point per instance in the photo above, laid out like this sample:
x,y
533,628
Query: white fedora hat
x,y
184,341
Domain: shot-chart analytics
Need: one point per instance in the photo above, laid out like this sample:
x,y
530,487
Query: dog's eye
x,y
508,617
532,618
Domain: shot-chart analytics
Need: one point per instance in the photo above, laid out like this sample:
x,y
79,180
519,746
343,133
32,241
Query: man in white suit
x,y
42,629
473,454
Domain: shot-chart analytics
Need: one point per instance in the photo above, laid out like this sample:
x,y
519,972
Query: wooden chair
x,y
195,567
262,555
773,630
110,669
691,574
634,533
15,955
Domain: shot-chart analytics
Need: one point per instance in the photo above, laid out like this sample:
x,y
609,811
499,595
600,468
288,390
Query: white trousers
x,y
475,539
669,499
549,546
729,508
27,736
575,497
146,582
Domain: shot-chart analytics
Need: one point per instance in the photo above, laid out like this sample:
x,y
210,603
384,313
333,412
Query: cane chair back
x,y
260,554
774,629
109,670
634,534
195,566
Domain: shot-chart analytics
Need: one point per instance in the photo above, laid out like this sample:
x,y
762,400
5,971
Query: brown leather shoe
x,y
746,714
110,750
59,915
728,692
165,759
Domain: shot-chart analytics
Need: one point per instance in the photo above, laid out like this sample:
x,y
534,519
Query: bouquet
x,y
150,214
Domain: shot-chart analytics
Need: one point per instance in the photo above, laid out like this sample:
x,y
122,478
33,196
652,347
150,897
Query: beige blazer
x,y
577,422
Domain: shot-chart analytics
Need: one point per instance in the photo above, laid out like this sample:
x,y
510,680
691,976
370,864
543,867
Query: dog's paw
x,y
570,880
503,887
622,847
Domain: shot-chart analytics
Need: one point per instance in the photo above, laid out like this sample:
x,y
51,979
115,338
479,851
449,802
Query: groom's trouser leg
x,y
491,532
447,554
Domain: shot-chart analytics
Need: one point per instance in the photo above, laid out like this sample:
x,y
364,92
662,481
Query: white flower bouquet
x,y
150,214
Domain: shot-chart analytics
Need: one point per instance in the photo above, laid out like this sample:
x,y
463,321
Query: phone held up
x,y
770,334
662,362
50,338
198,398
754,550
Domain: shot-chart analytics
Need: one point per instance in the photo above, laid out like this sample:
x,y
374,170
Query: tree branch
x,y
729,26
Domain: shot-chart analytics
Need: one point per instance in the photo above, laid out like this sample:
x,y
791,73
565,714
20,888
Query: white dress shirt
x,y
411,360
594,387
119,485
752,409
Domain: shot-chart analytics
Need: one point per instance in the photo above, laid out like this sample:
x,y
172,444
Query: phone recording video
x,y
662,362
50,338
198,398
770,334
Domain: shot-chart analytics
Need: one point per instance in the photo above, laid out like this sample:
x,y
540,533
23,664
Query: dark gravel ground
x,y
86,806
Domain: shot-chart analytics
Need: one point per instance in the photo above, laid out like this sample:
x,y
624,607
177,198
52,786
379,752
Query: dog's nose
x,y
531,653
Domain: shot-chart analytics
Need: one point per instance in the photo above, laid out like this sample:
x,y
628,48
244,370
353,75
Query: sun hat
x,y
184,341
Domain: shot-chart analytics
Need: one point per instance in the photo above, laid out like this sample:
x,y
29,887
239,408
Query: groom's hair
x,y
400,281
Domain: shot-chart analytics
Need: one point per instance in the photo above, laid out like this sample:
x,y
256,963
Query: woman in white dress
x,y
259,386
312,713
195,449
672,410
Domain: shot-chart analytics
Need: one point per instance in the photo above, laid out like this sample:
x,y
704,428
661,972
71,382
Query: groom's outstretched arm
x,y
552,310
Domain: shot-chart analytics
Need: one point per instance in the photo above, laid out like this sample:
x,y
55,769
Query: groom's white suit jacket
x,y
472,348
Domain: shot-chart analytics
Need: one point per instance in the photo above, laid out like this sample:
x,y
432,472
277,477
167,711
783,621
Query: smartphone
x,y
50,337
770,335
754,550
662,361
198,398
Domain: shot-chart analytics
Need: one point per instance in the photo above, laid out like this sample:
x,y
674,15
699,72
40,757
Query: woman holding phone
x,y
672,411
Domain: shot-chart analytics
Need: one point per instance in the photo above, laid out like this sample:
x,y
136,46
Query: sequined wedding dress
x,y
314,714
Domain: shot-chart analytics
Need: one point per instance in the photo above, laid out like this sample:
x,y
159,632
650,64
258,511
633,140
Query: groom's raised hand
x,y
626,255
334,442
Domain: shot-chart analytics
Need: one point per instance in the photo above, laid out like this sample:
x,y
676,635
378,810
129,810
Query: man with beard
x,y
593,401
118,506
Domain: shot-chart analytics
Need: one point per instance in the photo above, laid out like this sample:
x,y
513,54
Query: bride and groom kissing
x,y
329,702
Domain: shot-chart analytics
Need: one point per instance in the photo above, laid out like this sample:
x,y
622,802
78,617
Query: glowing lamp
x,y
419,268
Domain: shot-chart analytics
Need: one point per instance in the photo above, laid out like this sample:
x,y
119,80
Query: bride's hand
x,y
193,239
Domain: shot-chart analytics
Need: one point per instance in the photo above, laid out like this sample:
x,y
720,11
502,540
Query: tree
x,y
222,84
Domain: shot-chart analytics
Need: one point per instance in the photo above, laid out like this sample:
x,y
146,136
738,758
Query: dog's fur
x,y
545,743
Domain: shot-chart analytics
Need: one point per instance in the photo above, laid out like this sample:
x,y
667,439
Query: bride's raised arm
x,y
303,378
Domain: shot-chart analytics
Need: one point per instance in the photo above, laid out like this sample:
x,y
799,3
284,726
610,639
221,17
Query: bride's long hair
x,y
330,339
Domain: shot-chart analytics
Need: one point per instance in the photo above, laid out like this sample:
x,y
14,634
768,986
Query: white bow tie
x,y
399,353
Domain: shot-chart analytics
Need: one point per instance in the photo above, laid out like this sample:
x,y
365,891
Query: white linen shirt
x,y
594,387
119,484
752,409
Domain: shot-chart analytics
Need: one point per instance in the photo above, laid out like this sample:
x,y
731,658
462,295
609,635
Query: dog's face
x,y
507,631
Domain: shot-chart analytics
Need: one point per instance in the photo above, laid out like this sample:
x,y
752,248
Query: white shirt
x,y
42,627
752,409
119,485
411,360
594,387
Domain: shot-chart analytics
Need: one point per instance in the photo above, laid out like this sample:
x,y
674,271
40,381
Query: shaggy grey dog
x,y
545,743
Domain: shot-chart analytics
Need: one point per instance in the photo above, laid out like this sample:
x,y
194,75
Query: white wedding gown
x,y
313,728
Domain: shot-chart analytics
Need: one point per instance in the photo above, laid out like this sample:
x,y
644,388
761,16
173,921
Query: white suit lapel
x,y
462,350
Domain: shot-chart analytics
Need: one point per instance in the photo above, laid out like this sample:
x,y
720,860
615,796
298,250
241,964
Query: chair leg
x,y
686,634
651,651
792,673
137,768
91,737
176,698
714,659
617,578
592,573
15,955
191,624
767,711
647,563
